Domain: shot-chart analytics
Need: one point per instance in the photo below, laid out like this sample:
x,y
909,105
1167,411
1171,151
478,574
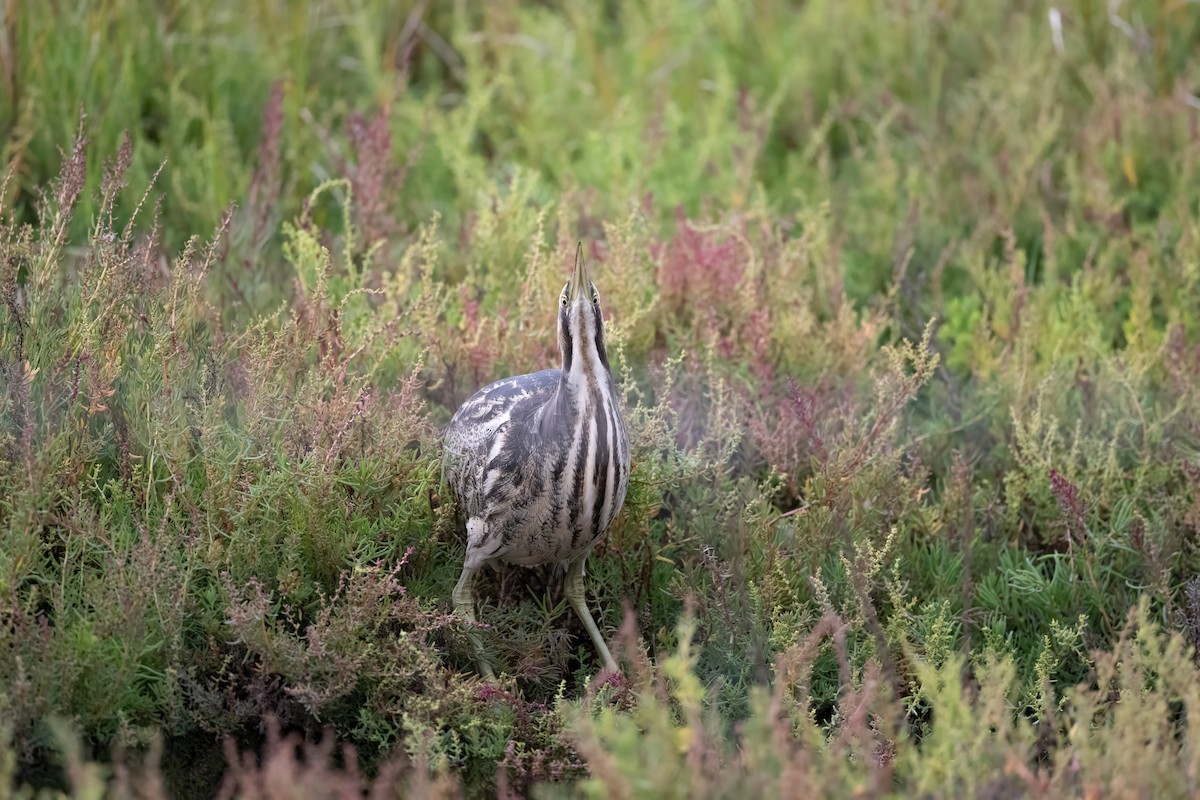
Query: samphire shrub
x,y
902,301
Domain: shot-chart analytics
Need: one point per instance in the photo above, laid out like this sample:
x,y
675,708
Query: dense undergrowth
x,y
903,298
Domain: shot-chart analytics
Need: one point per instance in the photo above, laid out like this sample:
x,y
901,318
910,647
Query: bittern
x,y
539,463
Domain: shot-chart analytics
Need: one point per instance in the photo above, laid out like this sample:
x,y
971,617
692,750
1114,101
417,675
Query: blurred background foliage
x,y
904,299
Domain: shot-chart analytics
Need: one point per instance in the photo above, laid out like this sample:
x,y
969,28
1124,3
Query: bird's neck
x,y
576,391
585,376
581,389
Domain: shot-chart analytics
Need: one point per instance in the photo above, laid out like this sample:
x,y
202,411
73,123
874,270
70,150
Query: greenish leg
x,y
464,605
577,597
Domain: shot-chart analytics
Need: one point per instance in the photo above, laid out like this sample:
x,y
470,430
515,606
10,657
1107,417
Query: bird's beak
x,y
579,281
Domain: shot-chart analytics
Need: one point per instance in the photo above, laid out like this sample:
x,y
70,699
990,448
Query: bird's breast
x,y
544,465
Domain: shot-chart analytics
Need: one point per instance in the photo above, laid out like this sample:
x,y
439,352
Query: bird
x,y
539,463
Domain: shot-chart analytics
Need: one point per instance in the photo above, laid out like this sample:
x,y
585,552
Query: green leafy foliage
x,y
902,301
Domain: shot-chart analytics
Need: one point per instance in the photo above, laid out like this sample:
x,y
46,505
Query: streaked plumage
x,y
539,463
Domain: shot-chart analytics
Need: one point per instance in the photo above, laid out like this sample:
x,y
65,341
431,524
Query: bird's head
x,y
581,325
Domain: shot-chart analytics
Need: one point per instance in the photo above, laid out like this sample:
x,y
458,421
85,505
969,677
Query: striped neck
x,y
589,431
586,381
585,367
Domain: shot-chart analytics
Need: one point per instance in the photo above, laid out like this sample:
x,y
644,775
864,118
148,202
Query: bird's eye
x,y
596,298
563,299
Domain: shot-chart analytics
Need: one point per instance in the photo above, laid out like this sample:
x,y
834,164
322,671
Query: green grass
x,y
903,299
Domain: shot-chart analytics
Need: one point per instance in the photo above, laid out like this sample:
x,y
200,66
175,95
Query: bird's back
x,y
502,411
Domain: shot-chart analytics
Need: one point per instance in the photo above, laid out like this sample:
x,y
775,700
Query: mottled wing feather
x,y
539,468
488,415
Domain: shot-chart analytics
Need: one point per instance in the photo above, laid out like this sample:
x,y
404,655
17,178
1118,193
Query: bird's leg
x,y
577,597
464,605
